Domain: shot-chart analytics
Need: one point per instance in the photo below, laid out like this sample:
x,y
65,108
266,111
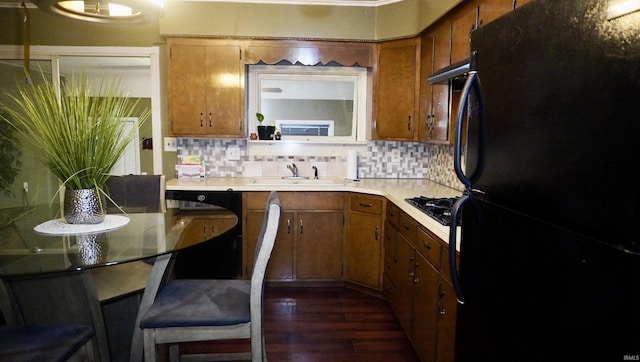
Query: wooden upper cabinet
x,y
206,88
442,46
396,93
436,127
426,89
490,10
461,29
310,53
519,3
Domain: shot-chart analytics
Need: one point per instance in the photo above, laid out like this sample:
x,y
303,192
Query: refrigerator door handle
x,y
453,265
472,82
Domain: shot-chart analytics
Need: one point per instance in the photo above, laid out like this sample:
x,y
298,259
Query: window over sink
x,y
310,104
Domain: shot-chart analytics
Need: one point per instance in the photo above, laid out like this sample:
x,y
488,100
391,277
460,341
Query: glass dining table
x,y
49,269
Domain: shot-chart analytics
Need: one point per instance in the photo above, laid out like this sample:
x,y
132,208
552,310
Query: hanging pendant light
x,y
105,11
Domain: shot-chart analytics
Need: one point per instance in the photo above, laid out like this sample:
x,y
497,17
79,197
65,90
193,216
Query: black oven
x,y
217,259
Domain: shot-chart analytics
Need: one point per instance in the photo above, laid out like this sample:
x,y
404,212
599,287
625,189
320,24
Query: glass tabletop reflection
x,y
150,231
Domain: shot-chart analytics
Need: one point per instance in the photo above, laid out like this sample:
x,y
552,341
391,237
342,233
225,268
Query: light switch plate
x,y
170,144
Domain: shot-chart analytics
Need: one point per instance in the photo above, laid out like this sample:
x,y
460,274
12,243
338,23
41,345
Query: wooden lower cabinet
x,y
364,240
425,309
446,339
319,247
281,262
418,287
309,244
403,280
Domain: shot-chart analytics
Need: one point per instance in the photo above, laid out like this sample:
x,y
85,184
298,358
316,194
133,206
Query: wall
x,y
47,29
401,19
218,19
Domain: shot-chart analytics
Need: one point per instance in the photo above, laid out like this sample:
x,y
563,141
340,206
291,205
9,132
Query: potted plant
x,y
264,132
80,135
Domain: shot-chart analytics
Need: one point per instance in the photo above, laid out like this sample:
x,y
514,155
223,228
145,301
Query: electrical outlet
x,y
170,144
233,154
25,186
395,155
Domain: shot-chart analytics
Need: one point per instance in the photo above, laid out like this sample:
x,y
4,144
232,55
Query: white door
x,y
129,163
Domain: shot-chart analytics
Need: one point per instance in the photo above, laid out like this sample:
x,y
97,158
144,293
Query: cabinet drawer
x,y
368,204
429,246
292,200
407,226
393,214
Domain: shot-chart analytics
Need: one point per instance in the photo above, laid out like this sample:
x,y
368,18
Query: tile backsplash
x,y
381,159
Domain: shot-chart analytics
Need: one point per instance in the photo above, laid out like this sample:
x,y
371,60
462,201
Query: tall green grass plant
x,y
79,131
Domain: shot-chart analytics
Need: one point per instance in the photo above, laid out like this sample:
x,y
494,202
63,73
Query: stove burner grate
x,y
437,208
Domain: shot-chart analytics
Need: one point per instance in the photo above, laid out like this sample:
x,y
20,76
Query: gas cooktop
x,y
437,208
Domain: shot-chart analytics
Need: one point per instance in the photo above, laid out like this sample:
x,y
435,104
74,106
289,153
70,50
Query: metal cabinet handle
x,y
375,233
210,121
412,270
426,244
365,205
201,119
288,226
301,226
441,308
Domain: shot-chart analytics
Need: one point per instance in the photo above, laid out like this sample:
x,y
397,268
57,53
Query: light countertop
x,y
395,190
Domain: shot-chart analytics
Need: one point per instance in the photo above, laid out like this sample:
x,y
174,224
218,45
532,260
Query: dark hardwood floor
x,y
325,324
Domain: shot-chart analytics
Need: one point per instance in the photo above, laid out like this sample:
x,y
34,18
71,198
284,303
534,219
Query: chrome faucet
x,y
294,169
315,172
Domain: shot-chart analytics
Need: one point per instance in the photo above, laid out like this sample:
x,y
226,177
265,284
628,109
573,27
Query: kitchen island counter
x,y
395,190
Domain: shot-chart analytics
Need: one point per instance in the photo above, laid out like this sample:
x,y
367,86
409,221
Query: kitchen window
x,y
309,104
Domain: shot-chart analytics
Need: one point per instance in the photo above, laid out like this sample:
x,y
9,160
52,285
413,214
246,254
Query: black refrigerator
x,y
549,266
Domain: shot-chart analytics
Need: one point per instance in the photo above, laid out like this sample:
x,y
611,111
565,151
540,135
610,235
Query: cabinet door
x,y
461,34
224,77
425,309
396,90
519,3
319,246
446,322
426,89
390,263
403,280
186,88
206,92
440,129
493,9
281,262
364,249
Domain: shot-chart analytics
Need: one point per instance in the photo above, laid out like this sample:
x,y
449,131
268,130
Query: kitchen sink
x,y
296,180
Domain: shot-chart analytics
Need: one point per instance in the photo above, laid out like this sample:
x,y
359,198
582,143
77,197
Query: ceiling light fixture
x,y
126,12
618,8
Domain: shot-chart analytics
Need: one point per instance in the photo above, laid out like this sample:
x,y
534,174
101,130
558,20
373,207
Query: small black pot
x,y
266,132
